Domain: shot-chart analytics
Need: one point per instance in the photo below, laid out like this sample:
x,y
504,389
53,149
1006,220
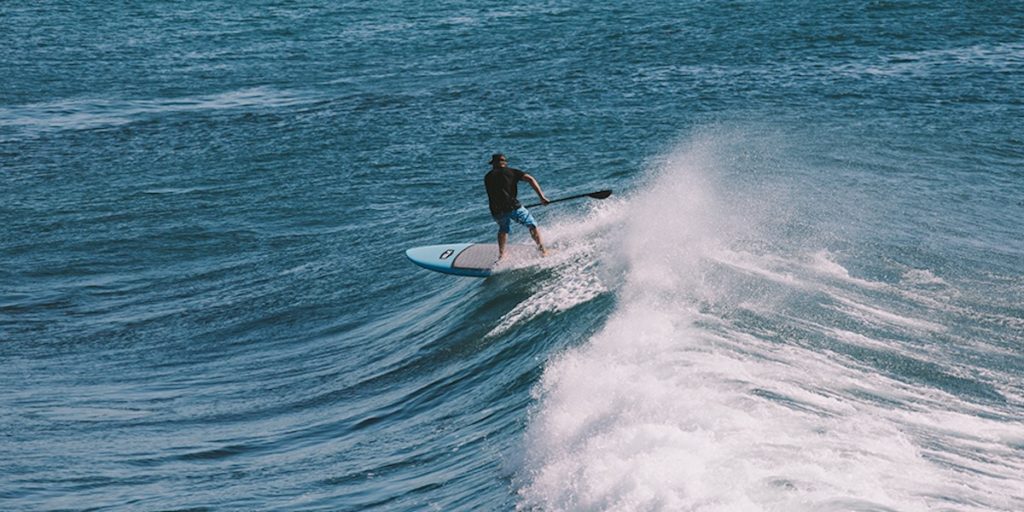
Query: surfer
x,y
502,183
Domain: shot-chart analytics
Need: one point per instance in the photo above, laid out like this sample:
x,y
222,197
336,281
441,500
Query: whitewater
x,y
746,369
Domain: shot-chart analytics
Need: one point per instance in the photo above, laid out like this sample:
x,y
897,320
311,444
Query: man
x,y
502,184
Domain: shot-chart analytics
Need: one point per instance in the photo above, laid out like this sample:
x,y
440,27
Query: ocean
x,y
805,294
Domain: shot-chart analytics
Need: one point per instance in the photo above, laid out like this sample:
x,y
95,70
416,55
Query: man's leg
x,y
503,229
535,233
522,216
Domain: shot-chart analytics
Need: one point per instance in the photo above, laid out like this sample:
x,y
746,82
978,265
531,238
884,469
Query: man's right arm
x,y
536,188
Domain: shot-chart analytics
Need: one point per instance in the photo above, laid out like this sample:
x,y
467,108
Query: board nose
x,y
436,257
430,254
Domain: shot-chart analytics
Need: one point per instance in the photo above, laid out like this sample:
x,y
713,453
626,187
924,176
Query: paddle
x,y
600,194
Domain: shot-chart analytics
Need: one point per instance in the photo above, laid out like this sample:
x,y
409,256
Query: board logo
x,y
446,254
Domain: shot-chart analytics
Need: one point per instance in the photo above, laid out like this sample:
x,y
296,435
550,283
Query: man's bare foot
x,y
543,251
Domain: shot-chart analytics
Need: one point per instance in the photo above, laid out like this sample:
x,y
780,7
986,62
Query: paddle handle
x,y
596,195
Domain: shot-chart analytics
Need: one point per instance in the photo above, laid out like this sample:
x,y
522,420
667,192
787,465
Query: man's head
x,y
498,160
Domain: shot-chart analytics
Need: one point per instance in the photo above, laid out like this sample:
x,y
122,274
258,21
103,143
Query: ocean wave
x,y
721,381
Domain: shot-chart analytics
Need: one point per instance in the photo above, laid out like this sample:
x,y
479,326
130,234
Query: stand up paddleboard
x,y
472,260
481,260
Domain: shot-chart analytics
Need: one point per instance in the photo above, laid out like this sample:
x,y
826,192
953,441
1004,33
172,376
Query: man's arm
x,y
536,188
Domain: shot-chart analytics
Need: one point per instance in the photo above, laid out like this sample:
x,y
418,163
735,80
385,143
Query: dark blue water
x,y
805,294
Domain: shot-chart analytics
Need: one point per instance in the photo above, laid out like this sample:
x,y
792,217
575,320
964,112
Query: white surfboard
x,y
473,260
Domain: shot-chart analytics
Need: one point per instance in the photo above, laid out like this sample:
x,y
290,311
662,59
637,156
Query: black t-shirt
x,y
502,189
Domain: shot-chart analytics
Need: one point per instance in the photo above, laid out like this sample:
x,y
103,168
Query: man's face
x,y
502,162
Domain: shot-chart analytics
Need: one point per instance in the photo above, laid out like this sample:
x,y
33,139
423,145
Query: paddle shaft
x,y
601,194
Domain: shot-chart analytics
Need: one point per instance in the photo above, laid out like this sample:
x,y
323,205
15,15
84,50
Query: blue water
x,y
807,292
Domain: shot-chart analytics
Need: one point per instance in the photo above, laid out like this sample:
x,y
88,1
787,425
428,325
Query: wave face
x,y
751,364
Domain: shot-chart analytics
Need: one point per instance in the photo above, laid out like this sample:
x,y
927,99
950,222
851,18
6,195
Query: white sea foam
x,y
650,416
84,114
875,315
922,277
574,284
670,407
926,62
824,262
576,277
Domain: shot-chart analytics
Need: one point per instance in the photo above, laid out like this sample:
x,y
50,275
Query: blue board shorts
x,y
522,216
